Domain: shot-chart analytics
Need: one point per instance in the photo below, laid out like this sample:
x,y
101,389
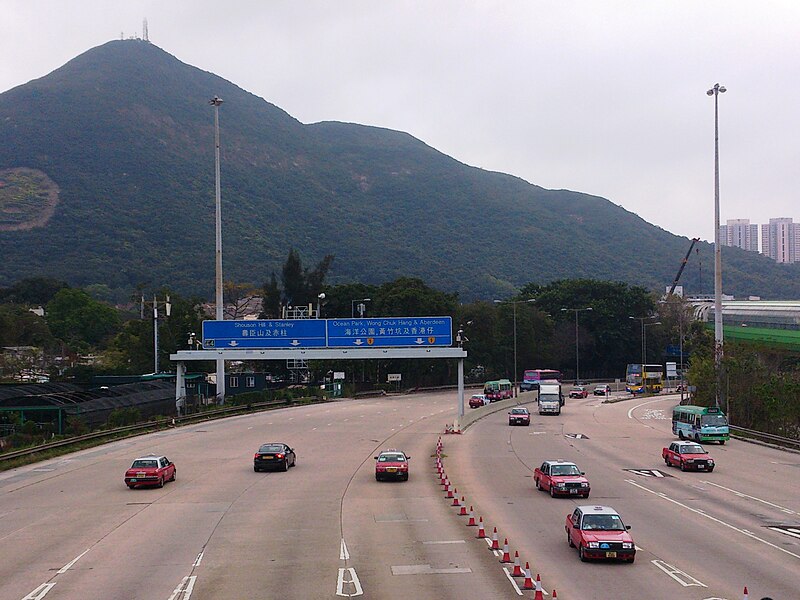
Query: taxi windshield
x,y
565,470
692,449
519,411
603,522
144,464
391,458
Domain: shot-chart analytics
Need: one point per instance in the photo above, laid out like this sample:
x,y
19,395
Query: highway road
x,y
699,535
70,529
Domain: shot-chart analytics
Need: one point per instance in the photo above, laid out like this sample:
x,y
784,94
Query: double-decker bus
x,y
644,378
700,423
532,377
498,390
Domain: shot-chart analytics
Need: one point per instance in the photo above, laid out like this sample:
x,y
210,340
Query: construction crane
x,y
683,265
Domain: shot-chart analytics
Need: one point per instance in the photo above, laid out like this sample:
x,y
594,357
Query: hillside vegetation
x,y
125,132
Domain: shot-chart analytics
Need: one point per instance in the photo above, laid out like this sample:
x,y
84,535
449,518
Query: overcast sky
x,y
603,97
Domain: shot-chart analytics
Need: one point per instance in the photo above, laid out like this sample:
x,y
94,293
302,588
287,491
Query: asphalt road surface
x,y
699,535
70,529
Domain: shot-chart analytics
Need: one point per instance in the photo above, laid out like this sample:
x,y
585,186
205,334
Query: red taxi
x,y
599,533
391,464
561,478
150,470
687,455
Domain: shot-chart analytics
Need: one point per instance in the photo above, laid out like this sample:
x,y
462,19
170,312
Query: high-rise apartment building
x,y
739,233
780,240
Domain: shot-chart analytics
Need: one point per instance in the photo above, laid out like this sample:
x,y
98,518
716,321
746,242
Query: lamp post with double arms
x,y
577,353
716,91
514,303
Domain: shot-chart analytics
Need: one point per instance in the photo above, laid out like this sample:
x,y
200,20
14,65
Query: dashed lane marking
x,y
427,570
446,542
743,495
343,553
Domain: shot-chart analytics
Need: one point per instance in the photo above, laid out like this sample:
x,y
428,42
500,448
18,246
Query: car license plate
x,y
573,491
391,470
611,555
266,456
701,466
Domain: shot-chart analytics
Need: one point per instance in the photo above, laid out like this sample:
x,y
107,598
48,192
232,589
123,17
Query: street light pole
x,y
644,339
577,353
215,102
716,91
514,305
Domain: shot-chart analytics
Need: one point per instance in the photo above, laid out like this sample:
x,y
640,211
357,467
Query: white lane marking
x,y
447,542
353,581
630,412
684,579
511,579
43,470
40,592
198,560
343,553
313,429
720,521
743,495
788,531
66,567
427,570
184,589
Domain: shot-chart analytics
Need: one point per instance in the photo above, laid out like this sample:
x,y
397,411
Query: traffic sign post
x,y
390,331
286,333
414,332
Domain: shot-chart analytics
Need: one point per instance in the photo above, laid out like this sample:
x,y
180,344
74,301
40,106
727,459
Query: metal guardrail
x,y
164,423
766,437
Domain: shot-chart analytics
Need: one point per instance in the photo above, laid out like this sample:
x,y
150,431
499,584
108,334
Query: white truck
x,y
550,398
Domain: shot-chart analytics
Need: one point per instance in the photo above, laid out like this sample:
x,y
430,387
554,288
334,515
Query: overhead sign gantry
x,y
326,339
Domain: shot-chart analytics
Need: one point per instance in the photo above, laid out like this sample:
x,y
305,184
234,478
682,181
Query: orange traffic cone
x,y
449,492
463,511
555,596
455,499
506,555
538,595
481,530
495,544
517,572
471,522
528,584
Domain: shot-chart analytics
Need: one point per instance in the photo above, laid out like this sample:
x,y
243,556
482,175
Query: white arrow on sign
x,y
233,343
358,343
295,342
419,341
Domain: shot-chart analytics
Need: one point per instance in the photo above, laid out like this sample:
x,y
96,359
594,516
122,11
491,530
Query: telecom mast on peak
x,y
145,35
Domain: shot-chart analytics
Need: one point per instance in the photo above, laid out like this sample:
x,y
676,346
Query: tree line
x,y
761,386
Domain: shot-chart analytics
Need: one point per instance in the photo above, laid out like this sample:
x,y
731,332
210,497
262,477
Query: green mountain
x,y
107,176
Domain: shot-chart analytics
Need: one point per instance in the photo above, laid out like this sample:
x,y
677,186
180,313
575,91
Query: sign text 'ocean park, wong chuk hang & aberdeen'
x,y
329,333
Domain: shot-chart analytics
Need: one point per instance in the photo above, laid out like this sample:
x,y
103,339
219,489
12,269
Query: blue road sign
x,y
287,333
390,331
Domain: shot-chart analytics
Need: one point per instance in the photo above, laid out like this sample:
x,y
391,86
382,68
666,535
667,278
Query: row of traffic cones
x,y
518,571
